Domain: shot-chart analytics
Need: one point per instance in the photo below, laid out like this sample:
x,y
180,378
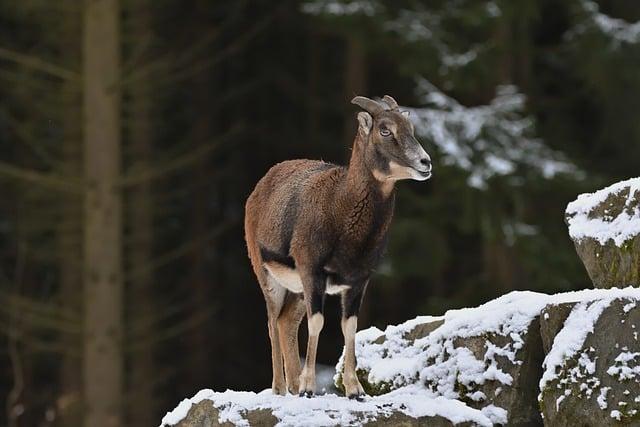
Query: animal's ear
x,y
365,123
392,103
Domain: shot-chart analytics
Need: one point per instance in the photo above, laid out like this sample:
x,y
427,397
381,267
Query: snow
x,y
616,414
617,29
486,140
628,307
493,9
495,414
620,228
602,397
330,410
621,369
559,401
422,26
340,8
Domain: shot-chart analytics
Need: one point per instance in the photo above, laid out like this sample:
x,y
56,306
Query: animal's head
x,y
390,146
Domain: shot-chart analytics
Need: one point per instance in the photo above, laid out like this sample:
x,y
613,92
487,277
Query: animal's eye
x,y
385,132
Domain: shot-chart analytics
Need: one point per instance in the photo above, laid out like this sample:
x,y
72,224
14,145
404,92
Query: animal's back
x,y
273,207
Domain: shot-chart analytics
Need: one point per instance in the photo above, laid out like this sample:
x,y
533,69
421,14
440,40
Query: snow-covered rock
x,y
407,406
489,356
486,356
592,366
573,356
605,227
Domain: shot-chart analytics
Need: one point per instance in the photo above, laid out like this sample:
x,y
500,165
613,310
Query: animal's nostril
x,y
426,163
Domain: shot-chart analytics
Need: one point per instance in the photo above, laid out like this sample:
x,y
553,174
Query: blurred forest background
x,y
132,131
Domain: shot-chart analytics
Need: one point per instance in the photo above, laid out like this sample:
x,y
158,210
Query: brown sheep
x,y
314,228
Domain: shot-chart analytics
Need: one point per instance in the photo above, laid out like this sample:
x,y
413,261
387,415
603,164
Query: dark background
x,y
213,94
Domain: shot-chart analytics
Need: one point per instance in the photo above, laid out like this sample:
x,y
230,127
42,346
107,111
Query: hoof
x,y
358,397
279,391
307,394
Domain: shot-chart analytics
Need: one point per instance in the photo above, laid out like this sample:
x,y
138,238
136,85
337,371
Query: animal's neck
x,y
360,175
366,202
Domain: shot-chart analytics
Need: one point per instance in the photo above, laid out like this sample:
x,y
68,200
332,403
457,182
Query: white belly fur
x,y
285,276
290,279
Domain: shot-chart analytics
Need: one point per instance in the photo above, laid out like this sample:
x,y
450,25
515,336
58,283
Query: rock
x,y
520,398
204,414
573,356
403,335
422,330
597,380
521,361
551,322
402,420
605,228
488,356
410,407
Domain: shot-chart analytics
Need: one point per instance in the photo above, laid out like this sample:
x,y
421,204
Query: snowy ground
x,y
433,360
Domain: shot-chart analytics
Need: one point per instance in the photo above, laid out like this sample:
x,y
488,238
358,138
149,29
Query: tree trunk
x,y
103,314
141,404
69,231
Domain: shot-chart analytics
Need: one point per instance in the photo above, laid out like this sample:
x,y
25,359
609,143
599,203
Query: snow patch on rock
x,y
602,397
619,228
570,339
623,367
331,410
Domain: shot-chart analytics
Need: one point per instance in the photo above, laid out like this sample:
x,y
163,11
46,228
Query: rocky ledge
x,y
523,359
605,227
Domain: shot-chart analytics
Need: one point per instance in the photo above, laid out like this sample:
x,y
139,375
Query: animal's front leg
x,y
351,299
314,294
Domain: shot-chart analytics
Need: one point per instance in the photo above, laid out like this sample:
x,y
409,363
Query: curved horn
x,y
368,105
390,102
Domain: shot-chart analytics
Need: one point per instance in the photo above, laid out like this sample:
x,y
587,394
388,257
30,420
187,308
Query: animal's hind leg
x,y
289,320
274,295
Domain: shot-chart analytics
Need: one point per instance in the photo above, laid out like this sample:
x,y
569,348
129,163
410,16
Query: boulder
x,y
605,228
204,414
592,365
489,356
518,397
411,406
